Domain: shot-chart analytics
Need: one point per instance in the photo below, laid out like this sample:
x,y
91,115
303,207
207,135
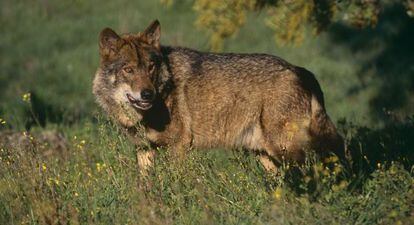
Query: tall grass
x,y
91,177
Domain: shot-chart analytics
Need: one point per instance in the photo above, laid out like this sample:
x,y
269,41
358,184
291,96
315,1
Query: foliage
x,y
289,19
222,17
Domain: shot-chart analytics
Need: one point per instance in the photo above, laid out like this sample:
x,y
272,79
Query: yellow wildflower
x,y
393,214
26,97
331,159
337,169
325,172
343,184
277,194
98,167
335,188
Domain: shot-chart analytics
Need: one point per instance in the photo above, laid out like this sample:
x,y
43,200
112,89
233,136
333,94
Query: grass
x,y
91,177
61,162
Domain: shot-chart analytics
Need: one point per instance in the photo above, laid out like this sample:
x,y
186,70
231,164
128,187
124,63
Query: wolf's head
x,y
124,84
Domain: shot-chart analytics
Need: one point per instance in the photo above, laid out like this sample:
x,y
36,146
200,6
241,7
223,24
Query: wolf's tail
x,y
324,135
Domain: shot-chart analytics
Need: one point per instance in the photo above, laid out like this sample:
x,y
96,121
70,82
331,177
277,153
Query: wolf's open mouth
x,y
139,104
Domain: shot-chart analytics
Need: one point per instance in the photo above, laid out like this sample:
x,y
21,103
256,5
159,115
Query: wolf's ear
x,y
152,34
109,42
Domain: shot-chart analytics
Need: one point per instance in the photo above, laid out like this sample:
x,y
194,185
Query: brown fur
x,y
206,100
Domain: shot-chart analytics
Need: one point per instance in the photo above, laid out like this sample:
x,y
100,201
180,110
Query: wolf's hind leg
x,y
268,163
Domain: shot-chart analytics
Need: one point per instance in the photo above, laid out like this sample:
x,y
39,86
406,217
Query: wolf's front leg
x,y
145,159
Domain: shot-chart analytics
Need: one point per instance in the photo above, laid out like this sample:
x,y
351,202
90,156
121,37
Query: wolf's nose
x,y
147,94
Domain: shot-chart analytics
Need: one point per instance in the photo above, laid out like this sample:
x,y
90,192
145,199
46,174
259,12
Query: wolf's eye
x,y
127,69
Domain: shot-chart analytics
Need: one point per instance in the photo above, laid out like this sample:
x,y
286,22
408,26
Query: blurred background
x,y
362,52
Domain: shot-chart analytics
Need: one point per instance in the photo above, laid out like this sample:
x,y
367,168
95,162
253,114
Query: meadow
x,y
63,162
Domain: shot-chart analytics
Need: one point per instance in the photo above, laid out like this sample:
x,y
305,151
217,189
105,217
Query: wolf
x,y
185,99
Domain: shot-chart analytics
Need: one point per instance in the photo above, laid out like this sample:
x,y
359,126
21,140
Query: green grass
x,y
88,173
95,181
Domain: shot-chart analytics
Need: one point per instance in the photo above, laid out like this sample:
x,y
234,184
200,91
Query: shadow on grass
x,y
387,57
40,112
370,148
